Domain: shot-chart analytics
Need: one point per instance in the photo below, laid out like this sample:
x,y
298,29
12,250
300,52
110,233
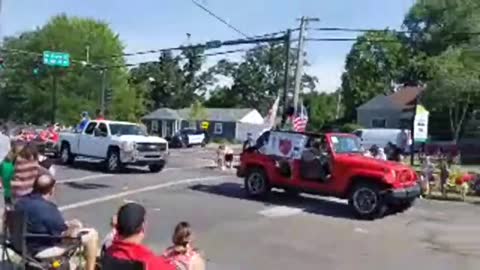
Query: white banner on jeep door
x,y
284,144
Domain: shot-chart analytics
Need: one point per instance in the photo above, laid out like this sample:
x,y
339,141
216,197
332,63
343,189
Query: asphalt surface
x,y
236,233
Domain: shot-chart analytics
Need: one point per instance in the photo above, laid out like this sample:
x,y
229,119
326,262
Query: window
x,y
103,128
218,129
154,125
476,115
90,128
126,129
379,123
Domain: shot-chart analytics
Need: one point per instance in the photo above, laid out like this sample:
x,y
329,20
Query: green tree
x,y
455,90
322,109
178,80
29,95
257,79
197,112
435,25
375,61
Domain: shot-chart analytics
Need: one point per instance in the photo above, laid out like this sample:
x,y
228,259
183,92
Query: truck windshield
x,y
346,144
122,129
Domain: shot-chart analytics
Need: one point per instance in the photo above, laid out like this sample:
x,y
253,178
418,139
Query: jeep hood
x,y
140,139
360,161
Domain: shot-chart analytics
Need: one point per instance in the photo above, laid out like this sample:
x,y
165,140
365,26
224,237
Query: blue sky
x,y
153,24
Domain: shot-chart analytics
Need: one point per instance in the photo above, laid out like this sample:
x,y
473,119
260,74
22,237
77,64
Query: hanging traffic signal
x,y
37,66
108,95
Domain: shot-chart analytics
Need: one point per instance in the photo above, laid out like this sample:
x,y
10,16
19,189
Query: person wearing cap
x,y
127,245
45,218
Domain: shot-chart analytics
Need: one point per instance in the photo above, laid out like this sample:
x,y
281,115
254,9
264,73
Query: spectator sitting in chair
x,y
44,217
127,245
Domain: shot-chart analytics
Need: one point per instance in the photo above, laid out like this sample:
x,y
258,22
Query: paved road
x,y
307,233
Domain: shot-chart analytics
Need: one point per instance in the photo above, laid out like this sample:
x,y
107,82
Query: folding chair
x,y
15,238
111,263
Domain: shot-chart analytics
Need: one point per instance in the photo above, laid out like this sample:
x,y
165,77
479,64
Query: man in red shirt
x,y
128,241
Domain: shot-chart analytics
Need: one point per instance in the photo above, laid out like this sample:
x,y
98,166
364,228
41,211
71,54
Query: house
x,y
392,111
224,123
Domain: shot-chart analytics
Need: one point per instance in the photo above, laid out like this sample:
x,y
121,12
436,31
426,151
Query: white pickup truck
x,y
117,144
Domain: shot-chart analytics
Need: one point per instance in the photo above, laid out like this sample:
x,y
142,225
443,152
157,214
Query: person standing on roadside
x,y
7,172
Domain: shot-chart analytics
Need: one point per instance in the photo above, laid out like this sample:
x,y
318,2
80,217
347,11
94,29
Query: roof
x,y
405,96
212,114
401,99
163,113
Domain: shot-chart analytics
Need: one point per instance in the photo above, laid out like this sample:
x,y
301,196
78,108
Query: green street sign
x,y
58,59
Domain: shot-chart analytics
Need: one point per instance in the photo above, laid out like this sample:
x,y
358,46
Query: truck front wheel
x,y
367,201
155,168
113,163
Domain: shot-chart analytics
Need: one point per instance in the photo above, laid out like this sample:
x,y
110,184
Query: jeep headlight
x,y
128,146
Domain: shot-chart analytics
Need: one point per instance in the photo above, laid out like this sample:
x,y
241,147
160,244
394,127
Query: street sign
x,y
205,125
58,59
420,124
213,44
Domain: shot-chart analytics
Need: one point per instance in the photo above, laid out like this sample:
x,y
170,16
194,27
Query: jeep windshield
x,y
345,144
125,129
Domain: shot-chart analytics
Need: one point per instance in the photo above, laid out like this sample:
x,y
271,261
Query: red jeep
x,y
331,164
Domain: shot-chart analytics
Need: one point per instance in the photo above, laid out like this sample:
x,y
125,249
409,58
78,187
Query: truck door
x,y
100,141
86,145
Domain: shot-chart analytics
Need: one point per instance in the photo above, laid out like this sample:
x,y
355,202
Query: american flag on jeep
x,y
300,120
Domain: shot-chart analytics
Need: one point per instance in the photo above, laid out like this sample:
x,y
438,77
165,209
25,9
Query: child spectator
x,y
182,254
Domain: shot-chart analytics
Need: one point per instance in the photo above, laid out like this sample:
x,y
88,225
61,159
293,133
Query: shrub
x,y
350,127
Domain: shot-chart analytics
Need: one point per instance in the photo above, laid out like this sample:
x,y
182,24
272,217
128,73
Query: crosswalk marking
x,y
280,211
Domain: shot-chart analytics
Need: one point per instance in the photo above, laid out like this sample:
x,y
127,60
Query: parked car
x,y
188,137
340,170
117,144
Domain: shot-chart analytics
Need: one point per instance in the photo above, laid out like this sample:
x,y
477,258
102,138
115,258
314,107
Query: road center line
x,y
140,190
95,176
84,178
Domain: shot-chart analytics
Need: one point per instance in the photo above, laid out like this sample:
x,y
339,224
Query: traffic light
x,y
37,65
108,95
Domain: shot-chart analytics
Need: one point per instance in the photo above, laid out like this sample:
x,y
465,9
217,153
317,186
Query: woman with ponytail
x,y
182,254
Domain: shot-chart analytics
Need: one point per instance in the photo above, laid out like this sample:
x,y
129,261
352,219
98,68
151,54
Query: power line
x,y
352,40
219,18
367,30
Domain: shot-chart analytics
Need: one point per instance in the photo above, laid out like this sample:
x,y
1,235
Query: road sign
x,y
205,125
213,44
58,59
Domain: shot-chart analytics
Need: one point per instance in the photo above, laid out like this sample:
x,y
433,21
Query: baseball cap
x,y
130,219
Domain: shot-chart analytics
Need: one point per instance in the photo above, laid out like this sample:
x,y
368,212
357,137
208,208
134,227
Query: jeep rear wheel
x,y
256,183
367,201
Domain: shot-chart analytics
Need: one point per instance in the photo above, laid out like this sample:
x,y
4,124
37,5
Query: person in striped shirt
x,y
26,171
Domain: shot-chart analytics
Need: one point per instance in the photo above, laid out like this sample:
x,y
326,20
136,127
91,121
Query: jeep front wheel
x,y
367,201
256,183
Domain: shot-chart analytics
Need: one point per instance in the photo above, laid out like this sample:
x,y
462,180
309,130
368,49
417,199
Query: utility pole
x,y
299,68
339,101
288,36
87,54
104,85
54,97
